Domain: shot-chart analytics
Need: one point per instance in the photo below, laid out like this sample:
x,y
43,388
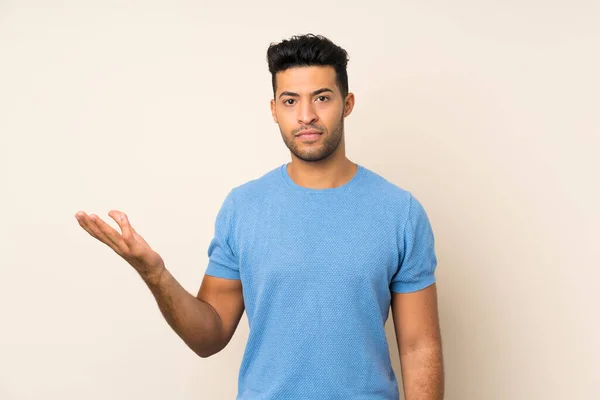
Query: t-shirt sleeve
x,y
222,257
416,269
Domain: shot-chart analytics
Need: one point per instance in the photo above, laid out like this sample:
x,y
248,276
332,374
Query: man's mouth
x,y
308,132
308,135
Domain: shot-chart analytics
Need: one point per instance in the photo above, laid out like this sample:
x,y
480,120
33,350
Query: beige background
x,y
487,111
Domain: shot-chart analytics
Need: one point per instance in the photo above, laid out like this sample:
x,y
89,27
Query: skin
x,y
206,322
309,98
417,329
305,98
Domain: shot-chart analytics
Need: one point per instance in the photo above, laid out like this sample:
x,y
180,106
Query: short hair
x,y
305,51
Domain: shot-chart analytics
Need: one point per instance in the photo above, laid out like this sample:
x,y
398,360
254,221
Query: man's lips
x,y
309,135
309,132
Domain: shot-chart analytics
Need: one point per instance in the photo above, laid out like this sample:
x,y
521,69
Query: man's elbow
x,y
206,350
430,343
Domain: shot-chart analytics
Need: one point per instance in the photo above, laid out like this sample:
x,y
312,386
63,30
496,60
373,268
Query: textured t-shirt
x,y
317,268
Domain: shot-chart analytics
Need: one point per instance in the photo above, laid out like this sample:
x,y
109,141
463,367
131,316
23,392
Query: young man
x,y
316,251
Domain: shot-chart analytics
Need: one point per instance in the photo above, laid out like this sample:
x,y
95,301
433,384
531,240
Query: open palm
x,y
128,244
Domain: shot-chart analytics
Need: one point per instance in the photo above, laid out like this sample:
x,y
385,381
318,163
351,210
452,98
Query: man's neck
x,y
321,175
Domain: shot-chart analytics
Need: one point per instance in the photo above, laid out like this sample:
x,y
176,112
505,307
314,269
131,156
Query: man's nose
x,y
306,113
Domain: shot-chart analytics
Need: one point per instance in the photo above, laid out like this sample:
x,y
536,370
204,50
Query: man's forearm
x,y
423,372
194,320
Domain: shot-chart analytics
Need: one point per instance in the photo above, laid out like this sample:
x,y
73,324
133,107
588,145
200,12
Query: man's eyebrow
x,y
316,92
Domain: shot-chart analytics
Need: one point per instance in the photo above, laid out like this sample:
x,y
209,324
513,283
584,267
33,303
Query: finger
x,y
86,222
126,227
121,219
109,233
82,218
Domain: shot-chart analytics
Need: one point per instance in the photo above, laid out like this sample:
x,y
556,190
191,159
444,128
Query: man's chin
x,y
312,157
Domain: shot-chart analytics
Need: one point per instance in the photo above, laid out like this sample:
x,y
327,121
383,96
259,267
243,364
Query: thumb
x,y
126,227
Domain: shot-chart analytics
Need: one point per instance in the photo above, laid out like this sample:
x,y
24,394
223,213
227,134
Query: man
x,y
316,251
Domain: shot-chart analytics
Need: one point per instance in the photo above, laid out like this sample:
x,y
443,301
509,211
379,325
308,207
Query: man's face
x,y
310,111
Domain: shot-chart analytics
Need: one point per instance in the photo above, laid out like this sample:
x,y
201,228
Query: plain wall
x,y
488,112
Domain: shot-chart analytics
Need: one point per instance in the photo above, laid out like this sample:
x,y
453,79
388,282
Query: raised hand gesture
x,y
128,244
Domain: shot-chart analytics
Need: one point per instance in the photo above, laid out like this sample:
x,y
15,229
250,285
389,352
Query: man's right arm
x,y
206,323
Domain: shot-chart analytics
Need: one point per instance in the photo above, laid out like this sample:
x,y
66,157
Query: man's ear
x,y
348,104
273,113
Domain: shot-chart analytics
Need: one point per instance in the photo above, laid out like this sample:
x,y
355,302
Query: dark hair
x,y
308,50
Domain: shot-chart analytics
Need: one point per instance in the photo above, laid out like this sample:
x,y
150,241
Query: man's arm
x,y
206,322
419,343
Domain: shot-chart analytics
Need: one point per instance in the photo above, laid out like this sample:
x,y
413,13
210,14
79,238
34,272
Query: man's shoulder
x,y
384,188
269,183
260,185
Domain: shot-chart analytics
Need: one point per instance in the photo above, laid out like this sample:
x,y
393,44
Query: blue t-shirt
x,y
317,268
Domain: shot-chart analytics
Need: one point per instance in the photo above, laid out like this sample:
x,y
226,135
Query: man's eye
x,y
286,101
323,98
